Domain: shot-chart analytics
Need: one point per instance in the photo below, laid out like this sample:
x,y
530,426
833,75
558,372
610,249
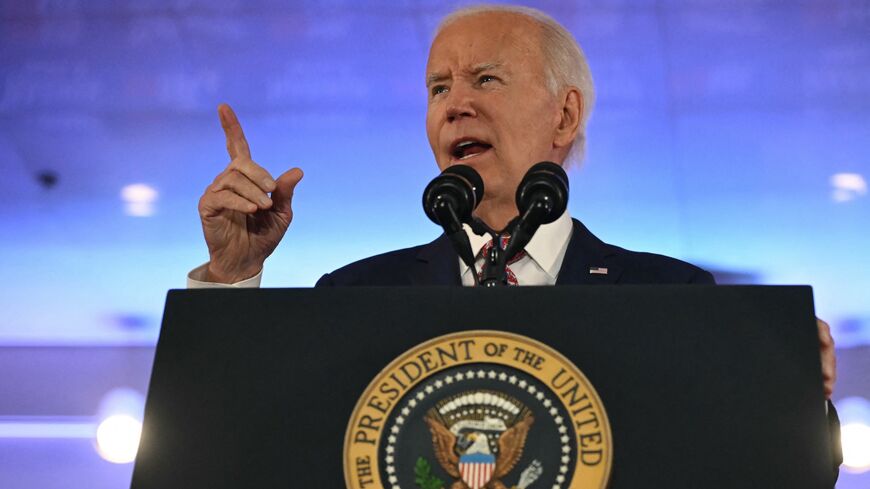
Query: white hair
x,y
564,61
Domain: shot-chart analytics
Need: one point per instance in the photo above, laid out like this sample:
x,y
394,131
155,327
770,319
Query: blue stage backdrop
x,y
731,134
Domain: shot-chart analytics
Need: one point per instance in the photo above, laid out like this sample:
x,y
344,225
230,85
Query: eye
x,y
485,79
439,89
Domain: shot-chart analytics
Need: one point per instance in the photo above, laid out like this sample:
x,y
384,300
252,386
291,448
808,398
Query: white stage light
x,y
847,186
118,438
855,433
138,192
139,199
120,426
856,446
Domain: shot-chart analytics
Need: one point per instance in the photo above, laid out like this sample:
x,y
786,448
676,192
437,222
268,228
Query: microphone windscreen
x,y
471,175
545,180
459,187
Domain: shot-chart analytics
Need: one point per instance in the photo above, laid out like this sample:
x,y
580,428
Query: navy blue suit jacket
x,y
436,263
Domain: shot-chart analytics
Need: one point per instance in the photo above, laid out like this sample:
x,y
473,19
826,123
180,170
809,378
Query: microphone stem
x,y
495,263
456,234
494,274
527,225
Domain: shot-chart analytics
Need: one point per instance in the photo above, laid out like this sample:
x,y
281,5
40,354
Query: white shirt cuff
x,y
196,280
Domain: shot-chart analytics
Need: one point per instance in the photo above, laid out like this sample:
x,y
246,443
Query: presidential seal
x,y
479,410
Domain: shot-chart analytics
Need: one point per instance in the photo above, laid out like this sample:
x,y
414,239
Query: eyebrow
x,y
435,78
480,68
474,70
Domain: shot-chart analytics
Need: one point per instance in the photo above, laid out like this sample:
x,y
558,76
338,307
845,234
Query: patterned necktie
x,y
509,274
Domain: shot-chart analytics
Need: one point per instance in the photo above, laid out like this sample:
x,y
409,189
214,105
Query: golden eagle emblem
x,y
478,439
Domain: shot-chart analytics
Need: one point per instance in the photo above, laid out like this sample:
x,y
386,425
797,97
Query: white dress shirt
x,y
196,280
543,259
540,266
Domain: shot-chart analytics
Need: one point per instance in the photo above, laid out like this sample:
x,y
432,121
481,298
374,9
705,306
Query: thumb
x,y
282,196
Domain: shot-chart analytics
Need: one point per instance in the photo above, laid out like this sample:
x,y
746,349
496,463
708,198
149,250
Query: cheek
x,y
526,137
434,120
431,128
538,132
432,136
528,128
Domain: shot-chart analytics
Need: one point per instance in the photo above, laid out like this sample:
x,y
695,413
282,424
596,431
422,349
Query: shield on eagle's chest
x,y
476,469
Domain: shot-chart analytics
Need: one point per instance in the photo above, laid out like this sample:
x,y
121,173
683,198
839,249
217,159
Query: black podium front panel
x,y
704,386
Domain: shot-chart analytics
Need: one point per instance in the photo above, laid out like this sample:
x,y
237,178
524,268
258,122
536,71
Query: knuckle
x,y
218,185
233,180
220,177
208,200
209,190
243,166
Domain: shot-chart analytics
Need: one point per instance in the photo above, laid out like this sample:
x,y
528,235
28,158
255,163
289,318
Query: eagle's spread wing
x,y
510,447
443,442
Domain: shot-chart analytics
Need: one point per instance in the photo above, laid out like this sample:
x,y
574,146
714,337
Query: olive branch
x,y
423,476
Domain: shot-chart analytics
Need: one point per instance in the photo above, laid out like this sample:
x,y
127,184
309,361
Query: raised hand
x,y
241,222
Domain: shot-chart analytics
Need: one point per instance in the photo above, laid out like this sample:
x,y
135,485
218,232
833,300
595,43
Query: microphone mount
x,y
449,200
542,196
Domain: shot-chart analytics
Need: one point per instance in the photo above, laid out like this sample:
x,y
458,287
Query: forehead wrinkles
x,y
474,41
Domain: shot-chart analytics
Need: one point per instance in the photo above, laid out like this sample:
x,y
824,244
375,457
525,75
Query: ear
x,y
569,118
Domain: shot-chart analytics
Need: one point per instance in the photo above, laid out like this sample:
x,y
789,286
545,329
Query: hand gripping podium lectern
x,y
472,388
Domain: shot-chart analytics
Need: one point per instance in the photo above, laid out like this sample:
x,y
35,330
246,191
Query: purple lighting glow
x,y
733,135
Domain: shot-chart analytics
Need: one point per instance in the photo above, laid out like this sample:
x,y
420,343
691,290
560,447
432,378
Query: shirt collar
x,y
547,247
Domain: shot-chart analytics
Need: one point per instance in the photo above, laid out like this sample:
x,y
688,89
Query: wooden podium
x,y
698,386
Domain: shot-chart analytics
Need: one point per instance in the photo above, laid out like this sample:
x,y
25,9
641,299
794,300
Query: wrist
x,y
217,274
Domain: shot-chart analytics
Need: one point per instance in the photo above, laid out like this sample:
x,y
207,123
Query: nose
x,y
460,104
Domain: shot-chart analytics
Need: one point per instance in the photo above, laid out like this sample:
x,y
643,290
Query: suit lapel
x,y
586,252
436,264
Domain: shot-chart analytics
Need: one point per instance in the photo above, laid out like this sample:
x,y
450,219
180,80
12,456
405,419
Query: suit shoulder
x,y
385,269
651,268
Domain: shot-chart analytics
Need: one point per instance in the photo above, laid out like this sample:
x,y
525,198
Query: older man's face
x,y
489,106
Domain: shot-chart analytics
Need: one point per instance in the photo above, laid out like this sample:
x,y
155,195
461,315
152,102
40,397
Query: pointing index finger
x,y
237,145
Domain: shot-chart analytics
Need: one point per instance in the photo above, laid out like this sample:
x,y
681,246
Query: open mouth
x,y
468,148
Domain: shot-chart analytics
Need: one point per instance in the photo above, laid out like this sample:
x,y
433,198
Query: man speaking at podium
x,y
507,87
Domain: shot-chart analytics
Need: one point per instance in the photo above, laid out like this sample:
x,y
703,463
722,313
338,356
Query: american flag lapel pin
x,y
598,270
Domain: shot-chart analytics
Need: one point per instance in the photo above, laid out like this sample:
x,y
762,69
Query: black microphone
x,y
542,197
449,200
